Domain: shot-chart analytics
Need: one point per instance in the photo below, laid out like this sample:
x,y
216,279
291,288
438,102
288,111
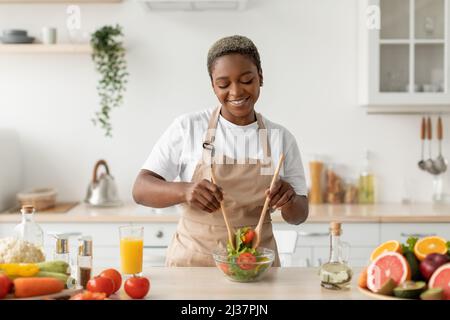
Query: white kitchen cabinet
x,y
401,231
312,248
404,61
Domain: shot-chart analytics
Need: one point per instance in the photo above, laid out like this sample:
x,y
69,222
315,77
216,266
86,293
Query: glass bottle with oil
x,y
336,274
366,184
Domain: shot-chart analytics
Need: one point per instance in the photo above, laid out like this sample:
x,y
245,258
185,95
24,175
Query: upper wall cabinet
x,y
403,52
58,1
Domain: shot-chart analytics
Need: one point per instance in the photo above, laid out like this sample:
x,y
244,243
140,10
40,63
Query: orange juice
x,y
131,250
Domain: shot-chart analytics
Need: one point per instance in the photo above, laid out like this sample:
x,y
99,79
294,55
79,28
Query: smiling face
x,y
236,83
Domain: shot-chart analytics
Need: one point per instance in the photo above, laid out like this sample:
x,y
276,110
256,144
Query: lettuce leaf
x,y
410,243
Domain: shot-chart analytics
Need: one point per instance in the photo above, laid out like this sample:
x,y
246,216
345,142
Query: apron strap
x,y
208,143
264,138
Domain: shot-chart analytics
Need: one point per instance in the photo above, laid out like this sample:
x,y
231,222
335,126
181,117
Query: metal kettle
x,y
102,191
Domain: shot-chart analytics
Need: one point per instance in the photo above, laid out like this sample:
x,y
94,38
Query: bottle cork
x,y
27,209
335,228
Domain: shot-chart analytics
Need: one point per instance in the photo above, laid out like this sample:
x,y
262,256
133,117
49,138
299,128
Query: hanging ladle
x,y
422,137
440,163
429,164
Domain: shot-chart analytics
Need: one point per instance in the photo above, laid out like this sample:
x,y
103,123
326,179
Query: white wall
x,y
309,56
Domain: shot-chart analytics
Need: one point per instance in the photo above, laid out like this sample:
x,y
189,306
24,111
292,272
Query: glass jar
x,y
28,230
316,171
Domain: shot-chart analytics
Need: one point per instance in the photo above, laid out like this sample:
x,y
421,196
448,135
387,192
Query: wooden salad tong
x,y
258,228
230,229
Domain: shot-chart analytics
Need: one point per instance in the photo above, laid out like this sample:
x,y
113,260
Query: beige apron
x,y
199,232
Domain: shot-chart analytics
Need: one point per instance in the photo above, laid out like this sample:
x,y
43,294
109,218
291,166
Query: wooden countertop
x,y
318,213
208,283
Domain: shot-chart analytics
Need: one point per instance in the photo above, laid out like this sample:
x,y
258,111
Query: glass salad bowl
x,y
246,266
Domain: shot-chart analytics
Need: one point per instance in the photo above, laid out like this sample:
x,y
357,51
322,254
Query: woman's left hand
x,y
280,194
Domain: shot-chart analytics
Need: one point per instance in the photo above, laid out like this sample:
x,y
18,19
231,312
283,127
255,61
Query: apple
x,y
431,263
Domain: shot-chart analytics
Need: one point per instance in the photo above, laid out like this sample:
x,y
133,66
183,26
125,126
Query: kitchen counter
x,y
318,213
203,283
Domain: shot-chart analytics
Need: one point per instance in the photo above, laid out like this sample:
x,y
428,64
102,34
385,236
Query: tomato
x,y
137,287
101,284
87,295
246,261
224,267
115,276
5,285
248,236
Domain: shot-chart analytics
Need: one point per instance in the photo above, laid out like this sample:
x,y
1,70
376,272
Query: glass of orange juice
x,y
131,249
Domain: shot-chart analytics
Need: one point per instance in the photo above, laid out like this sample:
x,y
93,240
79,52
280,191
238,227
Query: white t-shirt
x,y
180,148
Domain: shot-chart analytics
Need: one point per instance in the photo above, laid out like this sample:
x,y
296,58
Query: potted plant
x,y
109,58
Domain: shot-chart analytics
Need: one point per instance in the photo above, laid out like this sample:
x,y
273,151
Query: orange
x,y
387,265
388,246
427,245
362,280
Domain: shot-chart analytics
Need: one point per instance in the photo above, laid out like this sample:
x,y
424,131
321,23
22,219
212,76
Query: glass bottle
x,y
62,248
84,261
28,230
336,274
366,185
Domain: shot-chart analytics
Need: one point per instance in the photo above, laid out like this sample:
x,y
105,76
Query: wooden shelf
x,y
59,1
46,48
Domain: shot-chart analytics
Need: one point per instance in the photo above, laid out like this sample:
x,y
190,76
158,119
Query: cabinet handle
x,y
313,234
160,234
155,247
308,264
417,235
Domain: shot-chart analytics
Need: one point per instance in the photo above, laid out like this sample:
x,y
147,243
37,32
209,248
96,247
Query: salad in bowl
x,y
243,263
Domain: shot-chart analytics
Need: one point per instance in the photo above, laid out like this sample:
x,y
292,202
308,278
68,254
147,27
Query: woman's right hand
x,y
204,195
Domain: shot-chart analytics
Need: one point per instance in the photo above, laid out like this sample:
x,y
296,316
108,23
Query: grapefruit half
x,y
387,265
441,279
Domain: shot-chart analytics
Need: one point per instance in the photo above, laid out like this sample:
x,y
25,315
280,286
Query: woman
x,y
243,169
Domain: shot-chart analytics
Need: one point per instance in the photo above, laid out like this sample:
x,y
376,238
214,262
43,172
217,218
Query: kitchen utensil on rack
x,y
429,164
230,229
423,129
440,163
102,191
258,228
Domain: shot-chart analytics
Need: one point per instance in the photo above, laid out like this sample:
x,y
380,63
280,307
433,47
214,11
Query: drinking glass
x,y
131,249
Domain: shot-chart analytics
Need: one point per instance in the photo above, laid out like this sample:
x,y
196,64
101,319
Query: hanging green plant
x,y
109,58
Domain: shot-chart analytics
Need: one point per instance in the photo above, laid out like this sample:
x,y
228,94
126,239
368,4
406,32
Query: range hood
x,y
195,5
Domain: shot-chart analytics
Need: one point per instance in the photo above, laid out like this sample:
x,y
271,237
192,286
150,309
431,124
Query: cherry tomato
x,y
87,295
137,287
246,261
115,276
5,285
224,267
248,236
101,284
